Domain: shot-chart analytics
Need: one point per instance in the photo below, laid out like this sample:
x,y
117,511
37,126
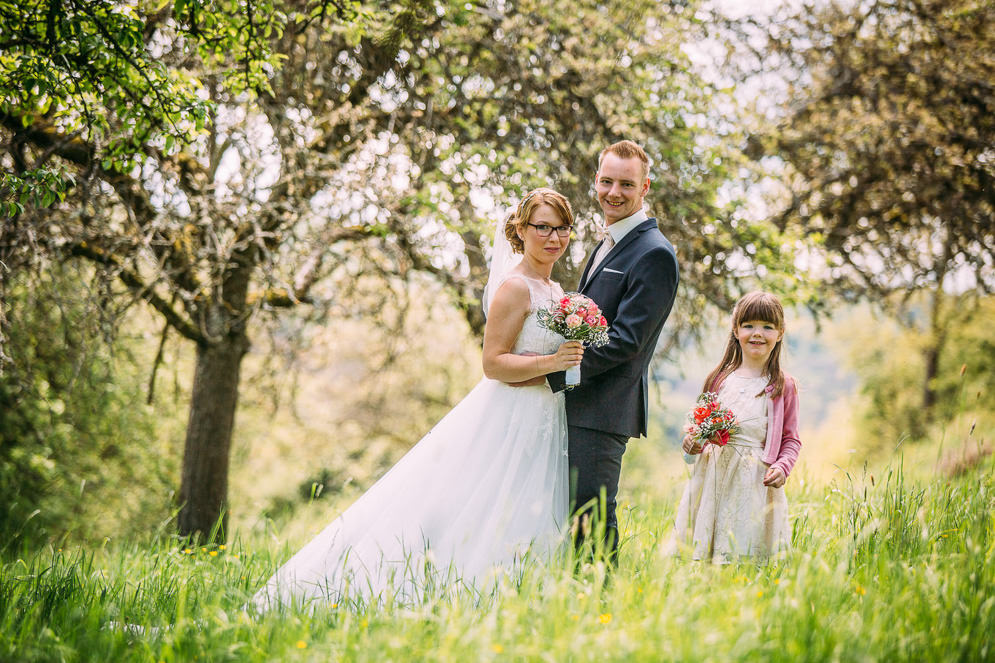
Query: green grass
x,y
889,569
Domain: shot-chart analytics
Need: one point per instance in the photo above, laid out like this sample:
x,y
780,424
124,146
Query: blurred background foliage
x,y
311,189
81,452
888,360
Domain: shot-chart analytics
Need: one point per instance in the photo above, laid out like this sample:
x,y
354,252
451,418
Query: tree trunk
x,y
204,487
932,368
938,325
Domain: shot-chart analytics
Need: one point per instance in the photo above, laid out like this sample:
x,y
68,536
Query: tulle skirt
x,y
486,488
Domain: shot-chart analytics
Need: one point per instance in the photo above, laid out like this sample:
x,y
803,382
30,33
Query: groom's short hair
x,y
626,149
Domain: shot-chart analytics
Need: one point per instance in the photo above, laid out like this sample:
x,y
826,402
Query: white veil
x,y
503,260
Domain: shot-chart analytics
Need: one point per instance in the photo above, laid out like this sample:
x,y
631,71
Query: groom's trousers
x,y
595,459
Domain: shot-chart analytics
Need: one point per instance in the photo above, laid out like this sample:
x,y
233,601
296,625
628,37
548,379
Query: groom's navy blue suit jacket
x,y
635,287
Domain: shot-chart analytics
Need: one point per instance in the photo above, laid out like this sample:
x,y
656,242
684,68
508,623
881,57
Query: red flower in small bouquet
x,y
710,423
575,317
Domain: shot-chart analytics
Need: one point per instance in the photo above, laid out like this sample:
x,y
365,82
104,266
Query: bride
x,y
487,486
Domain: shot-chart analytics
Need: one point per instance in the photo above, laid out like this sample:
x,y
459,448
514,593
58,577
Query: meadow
x,y
884,567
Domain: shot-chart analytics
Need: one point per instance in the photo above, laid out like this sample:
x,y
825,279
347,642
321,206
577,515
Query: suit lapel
x,y
616,250
587,267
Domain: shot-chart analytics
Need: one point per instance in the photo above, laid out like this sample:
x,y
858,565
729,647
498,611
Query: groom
x,y
632,276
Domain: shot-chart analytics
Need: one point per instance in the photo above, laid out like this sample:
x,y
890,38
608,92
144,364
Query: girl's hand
x,y
569,354
774,478
690,446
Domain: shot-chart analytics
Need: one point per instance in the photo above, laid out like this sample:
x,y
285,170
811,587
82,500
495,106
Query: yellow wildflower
x,y
605,618
301,644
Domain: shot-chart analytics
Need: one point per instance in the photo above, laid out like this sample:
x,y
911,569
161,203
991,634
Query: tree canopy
x,y
888,143
888,140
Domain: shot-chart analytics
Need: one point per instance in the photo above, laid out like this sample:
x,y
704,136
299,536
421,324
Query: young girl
x,y
734,504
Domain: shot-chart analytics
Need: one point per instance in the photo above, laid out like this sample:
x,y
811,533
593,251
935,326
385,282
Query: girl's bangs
x,y
765,309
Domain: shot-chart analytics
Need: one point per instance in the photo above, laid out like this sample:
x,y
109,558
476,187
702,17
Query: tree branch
x,y
143,290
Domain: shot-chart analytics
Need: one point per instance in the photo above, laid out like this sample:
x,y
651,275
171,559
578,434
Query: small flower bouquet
x,y
710,423
575,317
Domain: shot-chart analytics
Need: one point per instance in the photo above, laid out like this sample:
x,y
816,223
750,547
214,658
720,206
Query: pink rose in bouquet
x,y
575,317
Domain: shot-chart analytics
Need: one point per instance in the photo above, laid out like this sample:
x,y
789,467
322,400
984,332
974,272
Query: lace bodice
x,y
534,338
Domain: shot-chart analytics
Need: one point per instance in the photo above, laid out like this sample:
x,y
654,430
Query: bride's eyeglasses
x,y
544,230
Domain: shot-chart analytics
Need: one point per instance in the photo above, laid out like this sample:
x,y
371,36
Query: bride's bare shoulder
x,y
514,289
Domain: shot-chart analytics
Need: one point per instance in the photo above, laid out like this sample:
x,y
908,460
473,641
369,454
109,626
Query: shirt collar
x,y
620,229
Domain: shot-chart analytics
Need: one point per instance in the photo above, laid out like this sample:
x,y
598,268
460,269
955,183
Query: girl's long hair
x,y
761,306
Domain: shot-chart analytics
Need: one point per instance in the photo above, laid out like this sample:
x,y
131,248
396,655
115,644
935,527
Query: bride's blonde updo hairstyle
x,y
523,214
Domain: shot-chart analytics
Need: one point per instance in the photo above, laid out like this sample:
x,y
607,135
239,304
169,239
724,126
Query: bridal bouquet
x,y
709,422
575,317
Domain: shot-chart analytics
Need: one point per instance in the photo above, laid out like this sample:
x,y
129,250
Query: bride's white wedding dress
x,y
485,487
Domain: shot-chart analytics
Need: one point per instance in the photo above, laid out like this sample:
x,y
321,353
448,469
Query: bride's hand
x,y
569,354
